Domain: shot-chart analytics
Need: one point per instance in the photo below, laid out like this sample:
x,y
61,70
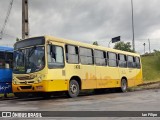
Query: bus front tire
x,y
124,85
73,89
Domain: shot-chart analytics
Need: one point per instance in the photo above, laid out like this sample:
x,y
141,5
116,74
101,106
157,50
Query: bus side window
x,y
72,54
122,60
100,58
55,56
134,62
2,62
86,56
112,61
131,63
138,62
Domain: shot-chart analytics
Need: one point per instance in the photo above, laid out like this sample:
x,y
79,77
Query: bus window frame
x,y
66,45
117,64
104,55
133,63
139,59
93,62
63,56
125,58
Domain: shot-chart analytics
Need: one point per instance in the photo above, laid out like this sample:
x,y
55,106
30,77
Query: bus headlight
x,y
39,79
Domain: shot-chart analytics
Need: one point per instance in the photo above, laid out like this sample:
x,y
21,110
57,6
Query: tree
x,y
95,43
123,46
17,39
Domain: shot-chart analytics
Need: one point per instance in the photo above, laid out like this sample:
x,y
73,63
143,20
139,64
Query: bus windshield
x,y
29,60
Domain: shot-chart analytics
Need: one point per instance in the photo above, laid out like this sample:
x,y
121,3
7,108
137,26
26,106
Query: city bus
x,y
6,65
44,65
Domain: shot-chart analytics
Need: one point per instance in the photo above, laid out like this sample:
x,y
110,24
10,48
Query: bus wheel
x,y
73,89
123,85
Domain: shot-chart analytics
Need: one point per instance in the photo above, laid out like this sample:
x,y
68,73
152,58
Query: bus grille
x,y
25,87
25,78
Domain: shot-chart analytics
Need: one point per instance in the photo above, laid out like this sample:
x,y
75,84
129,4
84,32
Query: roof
x,y
3,48
73,42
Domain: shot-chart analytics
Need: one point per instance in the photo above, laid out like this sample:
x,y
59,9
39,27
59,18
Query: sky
x,y
86,21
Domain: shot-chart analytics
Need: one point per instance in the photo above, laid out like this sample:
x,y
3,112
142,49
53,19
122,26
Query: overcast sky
x,y
86,21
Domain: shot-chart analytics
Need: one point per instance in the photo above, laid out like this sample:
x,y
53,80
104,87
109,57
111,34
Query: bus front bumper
x,y
44,86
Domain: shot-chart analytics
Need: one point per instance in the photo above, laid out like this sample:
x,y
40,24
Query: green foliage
x,y
156,52
17,39
95,43
151,67
123,46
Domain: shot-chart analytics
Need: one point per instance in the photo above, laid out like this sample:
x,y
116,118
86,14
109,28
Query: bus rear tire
x,y
73,89
124,85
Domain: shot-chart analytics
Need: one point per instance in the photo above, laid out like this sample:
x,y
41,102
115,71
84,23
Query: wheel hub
x,y
73,88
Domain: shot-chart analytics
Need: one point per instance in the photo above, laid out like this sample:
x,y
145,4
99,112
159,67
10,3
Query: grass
x,y
151,68
8,95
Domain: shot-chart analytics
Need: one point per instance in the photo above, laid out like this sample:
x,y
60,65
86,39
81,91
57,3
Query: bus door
x,y
56,66
87,68
122,62
101,68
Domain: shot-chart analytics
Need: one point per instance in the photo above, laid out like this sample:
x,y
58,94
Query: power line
x,y
6,19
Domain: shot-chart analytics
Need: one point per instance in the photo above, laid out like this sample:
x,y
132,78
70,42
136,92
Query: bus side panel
x,y
5,80
131,76
6,87
107,77
56,80
88,76
85,72
5,75
139,79
123,73
57,76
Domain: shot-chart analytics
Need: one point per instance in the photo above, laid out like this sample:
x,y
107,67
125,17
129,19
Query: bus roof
x,y
3,48
73,42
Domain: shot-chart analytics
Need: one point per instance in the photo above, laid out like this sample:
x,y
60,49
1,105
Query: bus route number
x,y
77,67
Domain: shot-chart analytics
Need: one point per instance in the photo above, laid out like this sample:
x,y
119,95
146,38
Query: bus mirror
x,y
6,65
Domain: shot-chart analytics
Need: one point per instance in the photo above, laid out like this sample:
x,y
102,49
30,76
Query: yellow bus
x,y
44,65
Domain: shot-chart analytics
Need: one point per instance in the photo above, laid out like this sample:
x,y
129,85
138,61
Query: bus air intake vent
x,y
25,78
26,87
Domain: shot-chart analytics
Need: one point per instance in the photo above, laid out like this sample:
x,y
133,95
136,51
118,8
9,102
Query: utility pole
x,y
149,46
144,47
25,19
133,41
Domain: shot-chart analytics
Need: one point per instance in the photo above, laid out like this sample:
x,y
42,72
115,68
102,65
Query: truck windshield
x,y
29,60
